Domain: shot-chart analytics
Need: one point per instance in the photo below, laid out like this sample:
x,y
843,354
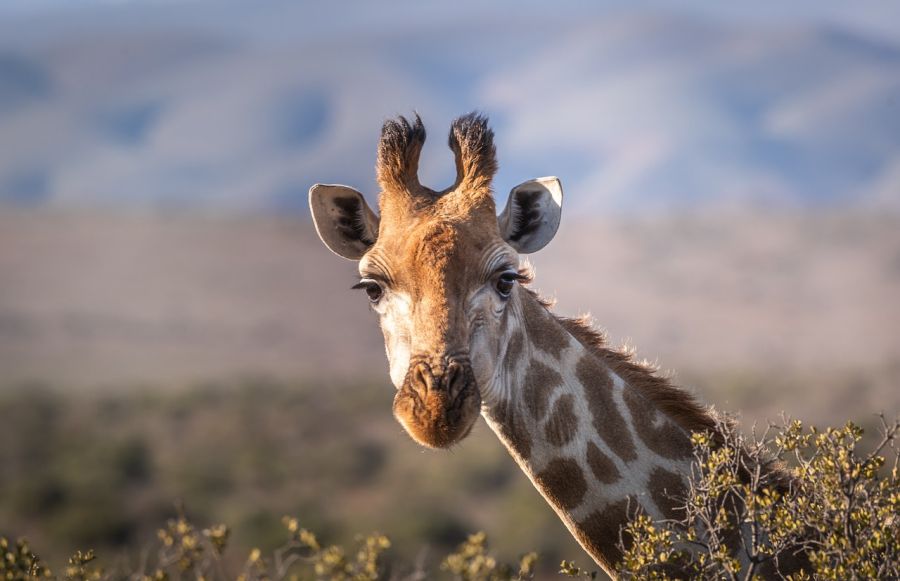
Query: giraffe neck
x,y
591,442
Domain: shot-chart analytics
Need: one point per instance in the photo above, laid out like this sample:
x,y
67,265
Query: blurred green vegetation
x,y
106,469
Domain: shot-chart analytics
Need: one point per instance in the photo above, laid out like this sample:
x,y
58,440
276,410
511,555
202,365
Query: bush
x,y
791,497
184,551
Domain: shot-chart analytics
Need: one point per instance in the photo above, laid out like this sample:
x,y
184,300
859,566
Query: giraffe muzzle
x,y
438,407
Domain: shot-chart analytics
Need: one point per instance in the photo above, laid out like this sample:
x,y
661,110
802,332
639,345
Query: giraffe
x,y
597,433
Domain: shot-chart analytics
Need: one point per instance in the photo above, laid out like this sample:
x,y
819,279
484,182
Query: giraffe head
x,y
440,269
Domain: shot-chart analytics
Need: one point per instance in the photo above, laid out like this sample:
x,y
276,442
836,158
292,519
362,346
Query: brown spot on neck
x,y
540,383
563,423
668,491
563,482
512,428
665,439
609,423
544,331
599,532
514,349
602,466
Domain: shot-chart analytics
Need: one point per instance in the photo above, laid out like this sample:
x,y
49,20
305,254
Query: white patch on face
x,y
395,311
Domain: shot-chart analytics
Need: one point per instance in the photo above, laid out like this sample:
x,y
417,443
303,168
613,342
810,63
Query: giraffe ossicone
x,y
598,434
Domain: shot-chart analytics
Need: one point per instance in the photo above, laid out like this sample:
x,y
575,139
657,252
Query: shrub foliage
x,y
790,494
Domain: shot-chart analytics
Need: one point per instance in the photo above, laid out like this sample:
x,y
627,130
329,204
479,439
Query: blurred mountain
x,y
107,299
242,106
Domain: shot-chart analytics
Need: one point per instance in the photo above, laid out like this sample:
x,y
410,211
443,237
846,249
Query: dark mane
x,y
675,402
678,404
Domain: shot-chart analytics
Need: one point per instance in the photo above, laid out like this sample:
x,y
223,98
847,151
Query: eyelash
x,y
373,289
505,281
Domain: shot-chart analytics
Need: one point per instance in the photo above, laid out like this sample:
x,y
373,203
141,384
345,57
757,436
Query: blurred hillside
x,y
243,106
105,471
94,299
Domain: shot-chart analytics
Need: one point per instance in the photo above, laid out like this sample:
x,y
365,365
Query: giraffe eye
x,y
505,282
372,288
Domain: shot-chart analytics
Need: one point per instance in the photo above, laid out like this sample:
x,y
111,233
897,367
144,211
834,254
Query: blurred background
x,y
171,329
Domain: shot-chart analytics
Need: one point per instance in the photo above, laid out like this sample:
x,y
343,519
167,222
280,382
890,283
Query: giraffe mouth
x,y
438,410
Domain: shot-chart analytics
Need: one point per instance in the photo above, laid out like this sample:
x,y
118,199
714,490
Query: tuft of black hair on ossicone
x,y
472,142
398,154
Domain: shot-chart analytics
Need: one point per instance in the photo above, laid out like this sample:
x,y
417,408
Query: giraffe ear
x,y
532,214
343,219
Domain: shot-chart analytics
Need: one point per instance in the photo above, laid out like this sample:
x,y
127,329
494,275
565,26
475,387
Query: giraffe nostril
x,y
450,380
455,378
422,378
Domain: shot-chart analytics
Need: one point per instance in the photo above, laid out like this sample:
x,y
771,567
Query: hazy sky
x,y
875,17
